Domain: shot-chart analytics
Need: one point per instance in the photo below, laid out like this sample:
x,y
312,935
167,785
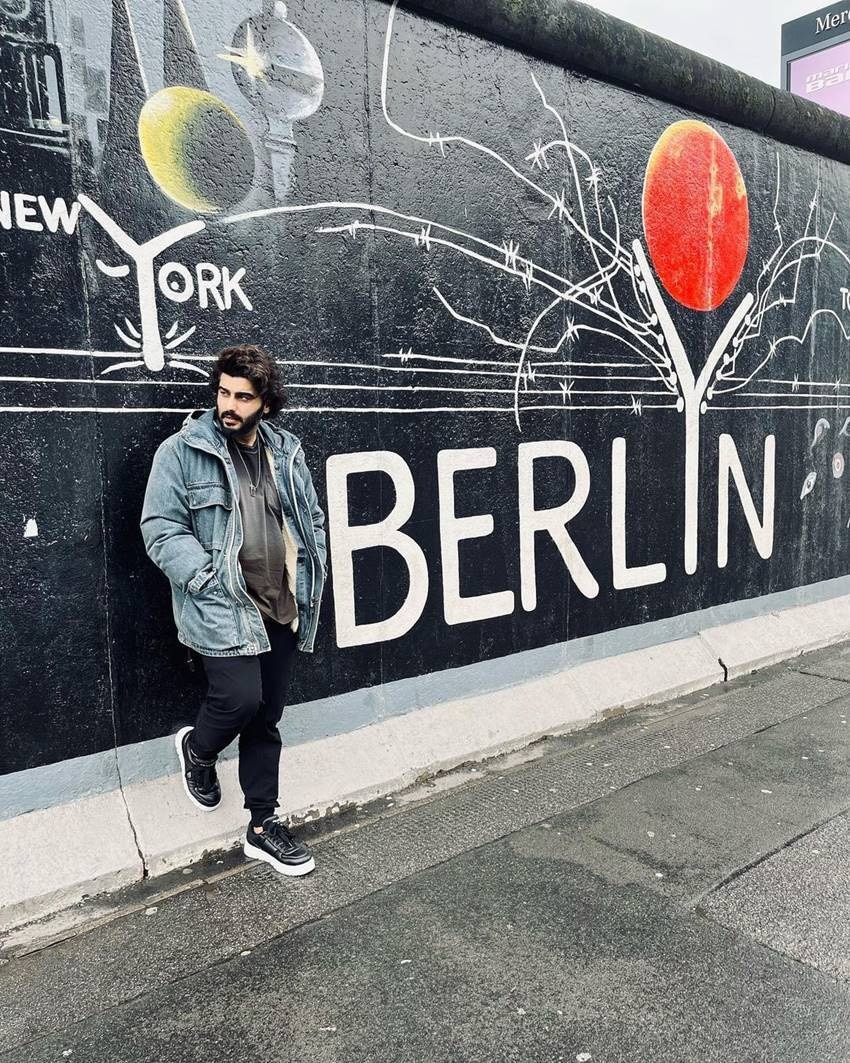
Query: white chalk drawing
x,y
821,426
818,451
33,112
280,74
148,341
619,300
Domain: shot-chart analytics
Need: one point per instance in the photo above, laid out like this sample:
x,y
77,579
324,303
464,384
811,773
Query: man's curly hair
x,y
254,364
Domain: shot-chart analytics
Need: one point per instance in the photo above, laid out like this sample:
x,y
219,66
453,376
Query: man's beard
x,y
243,428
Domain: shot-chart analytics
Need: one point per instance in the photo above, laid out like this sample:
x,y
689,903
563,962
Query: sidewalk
x,y
669,886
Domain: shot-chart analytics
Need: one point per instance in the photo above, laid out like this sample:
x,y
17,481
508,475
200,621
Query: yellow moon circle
x,y
196,149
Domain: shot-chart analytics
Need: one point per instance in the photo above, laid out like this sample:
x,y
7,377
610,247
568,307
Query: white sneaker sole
x,y
285,869
178,744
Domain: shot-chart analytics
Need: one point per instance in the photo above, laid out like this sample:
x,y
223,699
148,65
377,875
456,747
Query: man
x,y
232,518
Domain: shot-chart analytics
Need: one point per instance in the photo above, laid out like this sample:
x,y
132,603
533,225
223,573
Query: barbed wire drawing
x,y
622,298
615,300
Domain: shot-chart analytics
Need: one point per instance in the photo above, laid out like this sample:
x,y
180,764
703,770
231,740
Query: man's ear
x,y
266,410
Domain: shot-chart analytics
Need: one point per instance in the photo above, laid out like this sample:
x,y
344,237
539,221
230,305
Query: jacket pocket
x,y
208,619
210,505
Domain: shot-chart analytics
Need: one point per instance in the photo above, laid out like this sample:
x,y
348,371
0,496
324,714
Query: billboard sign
x,y
816,57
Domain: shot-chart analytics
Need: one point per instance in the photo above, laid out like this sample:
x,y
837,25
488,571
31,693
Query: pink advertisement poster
x,y
824,77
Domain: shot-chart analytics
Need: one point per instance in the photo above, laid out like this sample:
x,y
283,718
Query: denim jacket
x,y
192,528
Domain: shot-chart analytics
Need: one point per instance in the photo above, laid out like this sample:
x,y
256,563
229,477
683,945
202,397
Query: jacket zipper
x,y
273,466
314,618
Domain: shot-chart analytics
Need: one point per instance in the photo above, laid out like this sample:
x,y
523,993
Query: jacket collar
x,y
201,430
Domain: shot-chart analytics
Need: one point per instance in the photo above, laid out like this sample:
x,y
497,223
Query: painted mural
x,y
564,359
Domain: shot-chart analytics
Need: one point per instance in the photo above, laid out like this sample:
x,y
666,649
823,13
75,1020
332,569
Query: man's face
x,y
238,406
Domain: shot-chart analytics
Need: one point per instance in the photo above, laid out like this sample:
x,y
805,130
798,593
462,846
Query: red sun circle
x,y
695,214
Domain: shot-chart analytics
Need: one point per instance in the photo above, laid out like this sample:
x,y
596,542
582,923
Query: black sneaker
x,y
200,780
277,847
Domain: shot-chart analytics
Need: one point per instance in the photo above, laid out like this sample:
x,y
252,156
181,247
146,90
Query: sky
x,y
743,33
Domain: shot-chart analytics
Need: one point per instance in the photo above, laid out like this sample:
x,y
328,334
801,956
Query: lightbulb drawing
x,y
279,72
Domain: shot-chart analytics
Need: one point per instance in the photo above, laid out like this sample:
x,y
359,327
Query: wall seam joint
x,y
108,615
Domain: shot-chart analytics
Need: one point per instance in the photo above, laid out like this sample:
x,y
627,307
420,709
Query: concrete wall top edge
x,y
575,35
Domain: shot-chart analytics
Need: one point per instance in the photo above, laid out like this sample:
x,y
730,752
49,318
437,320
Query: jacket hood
x,y
201,428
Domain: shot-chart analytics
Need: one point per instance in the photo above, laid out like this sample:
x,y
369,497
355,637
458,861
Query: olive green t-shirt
x,y
263,553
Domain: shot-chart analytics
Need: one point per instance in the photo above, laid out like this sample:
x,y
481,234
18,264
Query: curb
x,y
148,829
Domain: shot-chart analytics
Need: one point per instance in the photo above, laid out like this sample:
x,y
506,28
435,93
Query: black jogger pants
x,y
246,697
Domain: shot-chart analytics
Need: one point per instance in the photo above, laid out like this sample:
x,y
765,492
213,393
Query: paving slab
x,y
137,954
832,665
796,901
488,958
684,830
141,954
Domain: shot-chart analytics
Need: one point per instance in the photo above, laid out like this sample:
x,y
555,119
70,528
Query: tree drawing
x,y
696,225
555,354
183,146
148,341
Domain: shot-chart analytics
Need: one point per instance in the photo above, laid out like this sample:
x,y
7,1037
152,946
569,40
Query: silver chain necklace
x,y
253,486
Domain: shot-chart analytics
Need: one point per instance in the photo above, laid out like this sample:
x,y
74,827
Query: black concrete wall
x,y
409,328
